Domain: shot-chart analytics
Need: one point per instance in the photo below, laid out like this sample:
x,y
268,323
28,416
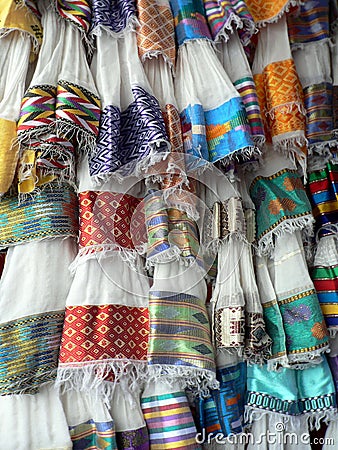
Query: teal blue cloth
x,y
290,391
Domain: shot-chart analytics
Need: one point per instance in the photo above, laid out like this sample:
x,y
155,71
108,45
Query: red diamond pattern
x,y
93,333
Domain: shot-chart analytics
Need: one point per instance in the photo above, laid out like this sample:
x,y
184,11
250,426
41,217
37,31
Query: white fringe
x,y
198,380
131,26
4,32
286,108
100,251
277,364
285,9
266,244
136,168
85,141
305,360
131,375
154,54
91,376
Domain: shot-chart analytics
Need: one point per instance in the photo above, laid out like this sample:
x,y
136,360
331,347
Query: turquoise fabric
x,y
290,391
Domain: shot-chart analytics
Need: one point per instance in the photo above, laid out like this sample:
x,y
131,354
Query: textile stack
x,y
168,224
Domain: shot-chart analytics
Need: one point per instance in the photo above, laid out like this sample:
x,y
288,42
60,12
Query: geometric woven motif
x,y
179,331
96,333
190,21
267,10
51,213
106,218
112,16
127,137
155,34
29,349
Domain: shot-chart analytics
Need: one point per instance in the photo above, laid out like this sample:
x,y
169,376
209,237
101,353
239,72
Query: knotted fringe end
x,y
101,251
228,28
139,168
154,54
4,32
258,357
200,381
305,360
86,142
242,155
131,25
266,244
170,254
100,377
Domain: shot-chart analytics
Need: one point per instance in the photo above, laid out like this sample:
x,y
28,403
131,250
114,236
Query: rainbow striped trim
x,y
170,422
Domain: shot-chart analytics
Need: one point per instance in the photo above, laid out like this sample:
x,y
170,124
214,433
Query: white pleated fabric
x,y
34,422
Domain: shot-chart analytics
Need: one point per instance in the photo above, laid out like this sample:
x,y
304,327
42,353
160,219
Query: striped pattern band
x,y
170,422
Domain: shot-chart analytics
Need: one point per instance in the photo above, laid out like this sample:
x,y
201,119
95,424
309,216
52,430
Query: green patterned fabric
x,y
295,324
278,198
179,331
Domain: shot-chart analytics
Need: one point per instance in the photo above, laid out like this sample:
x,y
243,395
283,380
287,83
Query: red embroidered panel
x,y
93,333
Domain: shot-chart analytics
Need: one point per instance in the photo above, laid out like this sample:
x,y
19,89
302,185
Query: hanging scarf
x,y
292,312
280,200
59,105
33,314
221,414
228,15
280,93
132,134
241,77
20,39
168,417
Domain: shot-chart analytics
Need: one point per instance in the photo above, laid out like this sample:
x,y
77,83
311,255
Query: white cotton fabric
x,y
116,68
159,75
228,290
334,56
79,407
50,56
313,64
214,186
233,58
125,408
288,268
36,278
74,66
129,185
295,428
109,280
15,51
198,68
273,45
175,277
34,422
327,251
